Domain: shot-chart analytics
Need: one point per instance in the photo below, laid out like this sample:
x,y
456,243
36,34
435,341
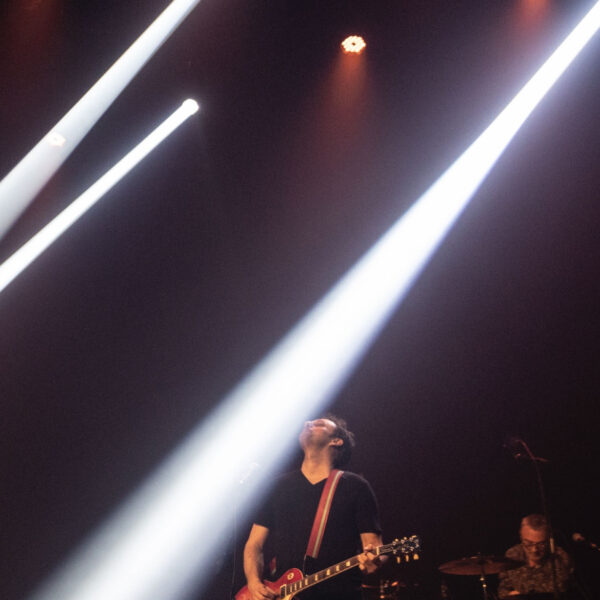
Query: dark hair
x,y
343,453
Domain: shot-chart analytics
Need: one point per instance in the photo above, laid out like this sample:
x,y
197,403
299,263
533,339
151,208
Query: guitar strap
x,y
318,528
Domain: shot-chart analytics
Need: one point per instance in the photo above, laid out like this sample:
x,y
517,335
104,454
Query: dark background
x,y
133,326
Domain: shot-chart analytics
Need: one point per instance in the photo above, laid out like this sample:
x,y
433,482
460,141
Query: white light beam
x,y
27,253
172,526
21,185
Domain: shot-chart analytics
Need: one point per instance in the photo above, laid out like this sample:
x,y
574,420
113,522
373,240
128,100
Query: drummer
x,y
536,575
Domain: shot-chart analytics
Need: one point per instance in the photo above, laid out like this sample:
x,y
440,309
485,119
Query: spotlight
x,y
55,139
354,44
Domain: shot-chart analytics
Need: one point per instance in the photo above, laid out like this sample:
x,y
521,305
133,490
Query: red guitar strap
x,y
318,528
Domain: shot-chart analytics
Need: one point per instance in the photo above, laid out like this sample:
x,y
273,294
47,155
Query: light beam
x,y
28,177
175,521
24,256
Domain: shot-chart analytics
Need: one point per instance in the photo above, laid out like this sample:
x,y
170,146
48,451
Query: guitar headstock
x,y
407,548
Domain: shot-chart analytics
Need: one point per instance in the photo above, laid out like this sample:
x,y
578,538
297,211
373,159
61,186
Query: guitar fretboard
x,y
341,567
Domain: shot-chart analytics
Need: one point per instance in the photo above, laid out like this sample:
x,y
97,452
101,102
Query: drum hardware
x,y
480,565
384,590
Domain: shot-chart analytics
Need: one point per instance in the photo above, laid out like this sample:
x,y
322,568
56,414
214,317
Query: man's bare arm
x,y
254,563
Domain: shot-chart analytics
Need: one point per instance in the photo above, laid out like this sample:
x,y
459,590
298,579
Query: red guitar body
x,y
288,577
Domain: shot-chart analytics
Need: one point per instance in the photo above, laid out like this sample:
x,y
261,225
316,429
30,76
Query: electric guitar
x,y
293,582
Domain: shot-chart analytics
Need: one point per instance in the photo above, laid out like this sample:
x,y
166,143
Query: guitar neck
x,y
341,567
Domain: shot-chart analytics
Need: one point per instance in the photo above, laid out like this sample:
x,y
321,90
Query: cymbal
x,y
534,596
475,565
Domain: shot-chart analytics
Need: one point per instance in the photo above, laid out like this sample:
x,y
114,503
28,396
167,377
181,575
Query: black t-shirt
x,y
289,515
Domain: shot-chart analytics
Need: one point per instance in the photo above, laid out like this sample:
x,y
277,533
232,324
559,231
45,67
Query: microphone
x,y
520,450
579,539
515,446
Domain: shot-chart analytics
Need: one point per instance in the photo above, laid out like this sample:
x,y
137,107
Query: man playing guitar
x,y
351,524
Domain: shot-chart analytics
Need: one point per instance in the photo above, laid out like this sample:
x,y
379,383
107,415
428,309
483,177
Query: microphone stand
x,y
535,461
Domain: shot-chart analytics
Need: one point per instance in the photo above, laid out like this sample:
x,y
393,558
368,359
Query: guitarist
x,y
286,519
